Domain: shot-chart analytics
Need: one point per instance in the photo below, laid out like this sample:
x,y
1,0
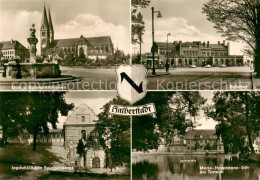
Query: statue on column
x,y
32,41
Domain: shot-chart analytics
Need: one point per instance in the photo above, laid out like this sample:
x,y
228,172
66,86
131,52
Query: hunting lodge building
x,y
89,47
185,54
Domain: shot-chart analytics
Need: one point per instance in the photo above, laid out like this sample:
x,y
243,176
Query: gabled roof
x,y
66,42
91,41
11,45
79,111
95,41
201,134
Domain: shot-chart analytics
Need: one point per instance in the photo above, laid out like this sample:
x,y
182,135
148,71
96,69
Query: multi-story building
x,y
88,47
194,140
185,54
12,49
203,140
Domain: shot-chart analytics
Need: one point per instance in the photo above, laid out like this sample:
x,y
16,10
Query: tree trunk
x,y
248,130
257,47
257,58
140,58
34,141
4,136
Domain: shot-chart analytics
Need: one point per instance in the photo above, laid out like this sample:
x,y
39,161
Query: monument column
x,y
32,41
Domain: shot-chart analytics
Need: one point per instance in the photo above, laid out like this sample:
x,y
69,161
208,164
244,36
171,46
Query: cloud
x,y
15,25
90,25
180,29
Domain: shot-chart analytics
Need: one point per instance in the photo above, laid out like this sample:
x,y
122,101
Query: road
x,y
230,78
237,78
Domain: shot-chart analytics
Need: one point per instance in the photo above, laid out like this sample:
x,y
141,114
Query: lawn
x,y
14,155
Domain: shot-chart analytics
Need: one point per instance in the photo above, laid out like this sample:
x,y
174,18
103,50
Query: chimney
x,y
218,42
224,42
12,41
207,43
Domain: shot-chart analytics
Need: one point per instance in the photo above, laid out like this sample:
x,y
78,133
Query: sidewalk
x,y
149,74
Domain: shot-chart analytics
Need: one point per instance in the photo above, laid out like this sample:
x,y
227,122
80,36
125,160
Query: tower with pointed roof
x,y
44,33
51,27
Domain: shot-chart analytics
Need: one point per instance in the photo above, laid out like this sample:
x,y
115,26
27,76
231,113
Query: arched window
x,y
83,118
81,51
96,162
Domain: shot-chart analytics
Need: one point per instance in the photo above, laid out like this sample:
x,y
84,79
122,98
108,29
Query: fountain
x,y
31,69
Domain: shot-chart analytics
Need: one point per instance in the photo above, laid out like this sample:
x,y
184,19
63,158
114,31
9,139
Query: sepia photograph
x,y
53,135
197,44
211,135
63,44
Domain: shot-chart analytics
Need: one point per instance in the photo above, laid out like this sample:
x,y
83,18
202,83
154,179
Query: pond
x,y
192,167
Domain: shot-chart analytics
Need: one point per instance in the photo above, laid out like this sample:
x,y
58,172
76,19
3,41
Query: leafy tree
x,y
237,114
237,20
11,109
33,111
114,134
138,25
176,111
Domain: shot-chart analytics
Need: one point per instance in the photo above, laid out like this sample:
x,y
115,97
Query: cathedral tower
x,y
44,33
51,27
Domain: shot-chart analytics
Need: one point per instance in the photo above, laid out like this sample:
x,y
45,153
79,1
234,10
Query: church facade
x,y
88,47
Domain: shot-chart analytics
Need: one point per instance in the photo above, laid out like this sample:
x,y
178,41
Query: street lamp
x,y
159,16
168,45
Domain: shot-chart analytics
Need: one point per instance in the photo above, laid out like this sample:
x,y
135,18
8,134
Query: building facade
x,y
55,137
80,124
13,49
88,47
193,141
185,54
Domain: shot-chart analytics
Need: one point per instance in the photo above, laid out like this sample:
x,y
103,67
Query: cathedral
x,y
88,47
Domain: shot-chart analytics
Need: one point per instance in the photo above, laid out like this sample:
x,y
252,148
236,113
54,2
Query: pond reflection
x,y
180,167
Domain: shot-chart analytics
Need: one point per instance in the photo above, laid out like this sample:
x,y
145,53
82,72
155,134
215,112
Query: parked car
x,y
222,66
192,66
208,66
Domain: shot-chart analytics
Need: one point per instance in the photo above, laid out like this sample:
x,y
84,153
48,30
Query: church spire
x,y
45,24
51,26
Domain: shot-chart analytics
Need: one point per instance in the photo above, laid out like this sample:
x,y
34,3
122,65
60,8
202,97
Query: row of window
x,y
41,136
10,52
201,141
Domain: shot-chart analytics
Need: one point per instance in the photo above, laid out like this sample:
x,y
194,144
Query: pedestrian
x,y
167,66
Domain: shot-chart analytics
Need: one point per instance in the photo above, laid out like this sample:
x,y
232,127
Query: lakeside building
x,y
13,49
185,54
192,141
89,47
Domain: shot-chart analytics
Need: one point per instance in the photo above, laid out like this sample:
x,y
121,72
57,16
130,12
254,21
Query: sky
x,y
184,20
97,99
71,18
